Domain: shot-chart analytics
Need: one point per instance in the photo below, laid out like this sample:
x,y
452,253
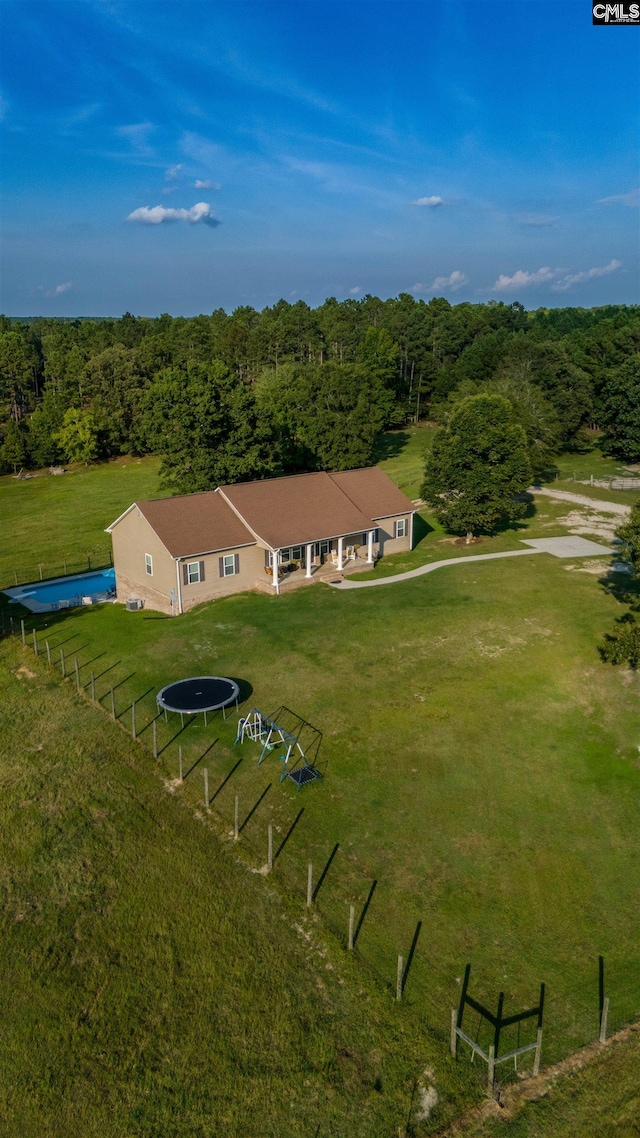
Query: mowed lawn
x,y
482,766
48,519
482,763
149,984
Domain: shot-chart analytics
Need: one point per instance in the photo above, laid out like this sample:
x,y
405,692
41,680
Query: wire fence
x,y
396,940
99,557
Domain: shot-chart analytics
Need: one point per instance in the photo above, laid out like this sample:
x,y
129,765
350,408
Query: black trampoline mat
x,y
304,774
199,693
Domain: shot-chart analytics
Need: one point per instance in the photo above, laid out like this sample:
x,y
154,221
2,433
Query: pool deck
x,y
26,595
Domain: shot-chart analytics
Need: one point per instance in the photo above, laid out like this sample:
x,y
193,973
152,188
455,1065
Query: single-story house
x,y
173,553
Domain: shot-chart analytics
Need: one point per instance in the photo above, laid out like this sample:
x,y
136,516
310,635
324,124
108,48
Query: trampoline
x,y
198,695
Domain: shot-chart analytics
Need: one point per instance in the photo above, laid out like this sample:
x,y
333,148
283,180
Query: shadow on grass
x,y
390,445
93,660
548,473
623,588
421,529
109,669
245,690
255,807
184,727
198,761
225,780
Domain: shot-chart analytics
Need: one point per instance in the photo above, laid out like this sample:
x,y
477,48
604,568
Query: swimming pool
x,y
66,592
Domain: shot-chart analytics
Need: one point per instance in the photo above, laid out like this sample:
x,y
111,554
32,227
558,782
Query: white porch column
x,y
309,552
340,553
411,516
370,547
274,561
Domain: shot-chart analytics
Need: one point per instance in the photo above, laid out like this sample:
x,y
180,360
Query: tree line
x,y
230,397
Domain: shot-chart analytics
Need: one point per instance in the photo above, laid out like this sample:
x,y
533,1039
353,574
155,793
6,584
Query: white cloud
x,y
136,134
355,291
454,281
158,214
538,220
59,289
578,278
172,173
205,184
522,279
631,199
432,203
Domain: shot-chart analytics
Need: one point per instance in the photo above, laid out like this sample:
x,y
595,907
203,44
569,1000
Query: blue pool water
x,y
48,594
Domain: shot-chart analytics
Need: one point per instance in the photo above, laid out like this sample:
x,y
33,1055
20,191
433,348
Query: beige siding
x,y
132,538
389,543
251,565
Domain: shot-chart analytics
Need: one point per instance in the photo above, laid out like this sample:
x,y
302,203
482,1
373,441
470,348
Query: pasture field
x,y
600,1101
50,520
482,768
149,984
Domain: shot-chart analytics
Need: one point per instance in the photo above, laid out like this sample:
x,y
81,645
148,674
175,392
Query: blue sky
x,y
180,157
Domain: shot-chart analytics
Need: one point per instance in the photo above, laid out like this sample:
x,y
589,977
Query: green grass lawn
x,y
150,985
401,454
600,1101
482,767
51,520
574,470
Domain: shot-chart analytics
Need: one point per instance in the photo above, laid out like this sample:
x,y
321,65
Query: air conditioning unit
x,y
133,604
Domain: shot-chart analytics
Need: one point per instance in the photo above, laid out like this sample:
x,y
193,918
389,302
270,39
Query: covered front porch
x,y
293,565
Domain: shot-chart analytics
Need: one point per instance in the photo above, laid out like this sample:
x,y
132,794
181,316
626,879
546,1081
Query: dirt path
x,y
583,500
514,1097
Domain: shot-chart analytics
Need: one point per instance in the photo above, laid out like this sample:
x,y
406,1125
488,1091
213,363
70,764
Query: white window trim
x,y
148,564
193,565
397,524
229,571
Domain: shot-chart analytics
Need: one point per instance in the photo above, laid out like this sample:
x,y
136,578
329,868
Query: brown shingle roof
x,y
297,509
373,492
195,523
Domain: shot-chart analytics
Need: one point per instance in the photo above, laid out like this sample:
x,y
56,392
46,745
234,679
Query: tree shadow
x,y
389,445
623,588
548,473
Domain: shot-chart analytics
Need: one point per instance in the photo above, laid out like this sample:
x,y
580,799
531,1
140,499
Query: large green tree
x,y
620,410
207,427
78,435
622,644
478,466
328,415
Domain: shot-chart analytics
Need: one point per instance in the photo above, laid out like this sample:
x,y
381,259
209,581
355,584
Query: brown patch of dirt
x,y
463,541
25,673
511,1099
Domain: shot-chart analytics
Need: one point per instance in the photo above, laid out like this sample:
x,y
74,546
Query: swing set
x,y
297,740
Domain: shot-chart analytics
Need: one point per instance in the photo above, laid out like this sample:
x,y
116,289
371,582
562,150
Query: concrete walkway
x,y
583,500
561,495
422,569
